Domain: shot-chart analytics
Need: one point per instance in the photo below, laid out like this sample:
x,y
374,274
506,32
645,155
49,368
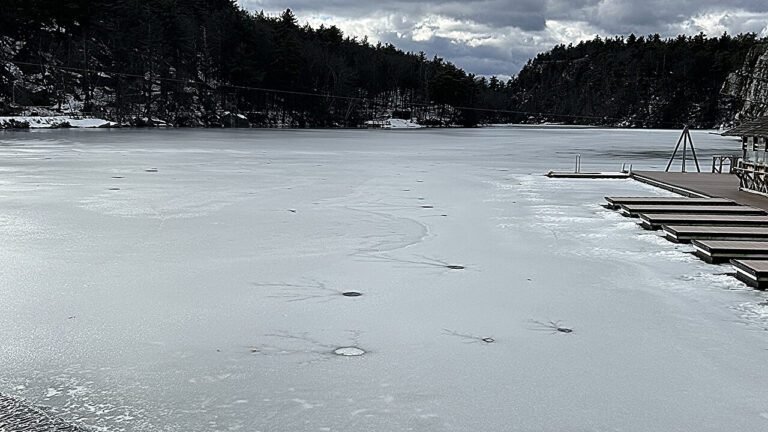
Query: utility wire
x,y
331,96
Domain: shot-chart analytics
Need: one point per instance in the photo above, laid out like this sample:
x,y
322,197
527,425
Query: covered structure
x,y
752,170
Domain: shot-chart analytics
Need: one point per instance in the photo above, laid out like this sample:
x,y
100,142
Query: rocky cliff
x,y
636,82
748,85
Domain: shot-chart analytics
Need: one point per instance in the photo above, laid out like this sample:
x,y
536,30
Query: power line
x,y
303,93
331,96
186,81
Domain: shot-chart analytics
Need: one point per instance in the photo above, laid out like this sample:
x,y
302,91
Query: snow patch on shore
x,y
392,123
47,122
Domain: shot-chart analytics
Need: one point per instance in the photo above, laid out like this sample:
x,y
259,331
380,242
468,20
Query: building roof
x,y
757,127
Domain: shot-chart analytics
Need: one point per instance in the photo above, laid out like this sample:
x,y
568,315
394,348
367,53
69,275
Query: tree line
x,y
189,61
186,61
634,81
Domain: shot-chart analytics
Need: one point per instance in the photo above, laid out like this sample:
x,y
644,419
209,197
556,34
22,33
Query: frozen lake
x,y
192,280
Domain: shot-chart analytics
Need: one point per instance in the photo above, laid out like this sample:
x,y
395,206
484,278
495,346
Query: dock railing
x,y
730,162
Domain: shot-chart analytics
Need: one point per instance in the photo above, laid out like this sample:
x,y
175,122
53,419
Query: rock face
x,y
18,416
748,86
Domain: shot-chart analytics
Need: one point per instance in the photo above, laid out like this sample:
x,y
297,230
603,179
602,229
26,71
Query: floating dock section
x,y
710,211
722,223
617,202
720,251
752,272
654,221
688,233
634,210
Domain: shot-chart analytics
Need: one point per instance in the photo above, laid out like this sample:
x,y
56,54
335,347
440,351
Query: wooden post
x,y
685,146
674,153
693,150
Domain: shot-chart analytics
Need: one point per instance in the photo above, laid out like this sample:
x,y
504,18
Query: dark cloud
x,y
480,60
525,14
498,36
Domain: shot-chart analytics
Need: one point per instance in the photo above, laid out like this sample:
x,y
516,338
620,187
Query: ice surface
x,y
190,280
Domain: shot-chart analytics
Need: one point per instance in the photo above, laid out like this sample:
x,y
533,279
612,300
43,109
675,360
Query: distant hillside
x,y
637,81
190,62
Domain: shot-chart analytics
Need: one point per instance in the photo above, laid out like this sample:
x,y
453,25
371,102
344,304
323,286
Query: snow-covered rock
x,y
233,120
392,123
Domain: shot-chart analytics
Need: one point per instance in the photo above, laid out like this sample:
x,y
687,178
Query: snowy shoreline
x,y
66,122
52,122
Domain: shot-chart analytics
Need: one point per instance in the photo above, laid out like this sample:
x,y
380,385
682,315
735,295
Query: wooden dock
x,y
654,221
752,272
634,210
702,185
722,223
687,233
616,202
718,251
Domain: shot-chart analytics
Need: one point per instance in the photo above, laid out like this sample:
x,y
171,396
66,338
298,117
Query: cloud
x,y
497,37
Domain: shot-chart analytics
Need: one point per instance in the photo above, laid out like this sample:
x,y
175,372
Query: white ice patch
x,y
565,221
753,312
349,351
503,185
674,255
720,281
156,204
551,209
655,239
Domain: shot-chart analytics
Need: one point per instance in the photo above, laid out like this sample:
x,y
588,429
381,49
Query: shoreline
x,y
21,123
53,122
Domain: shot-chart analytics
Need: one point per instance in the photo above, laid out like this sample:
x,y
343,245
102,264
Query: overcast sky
x,y
496,37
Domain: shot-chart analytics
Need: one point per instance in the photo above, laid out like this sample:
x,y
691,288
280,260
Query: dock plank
x,y
752,272
717,251
654,221
686,233
615,202
635,209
